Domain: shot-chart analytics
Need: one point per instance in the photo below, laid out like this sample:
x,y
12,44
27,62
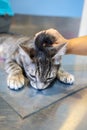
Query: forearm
x,y
77,46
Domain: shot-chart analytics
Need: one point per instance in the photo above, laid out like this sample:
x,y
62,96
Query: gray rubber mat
x,y
28,100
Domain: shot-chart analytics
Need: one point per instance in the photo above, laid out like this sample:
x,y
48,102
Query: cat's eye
x,y
49,79
33,76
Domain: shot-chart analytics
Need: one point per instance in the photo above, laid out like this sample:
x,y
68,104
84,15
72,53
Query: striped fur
x,y
34,59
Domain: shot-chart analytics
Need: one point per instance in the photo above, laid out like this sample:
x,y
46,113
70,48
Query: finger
x,y
39,33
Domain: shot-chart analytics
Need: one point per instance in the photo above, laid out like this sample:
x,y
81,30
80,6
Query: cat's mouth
x,y
39,86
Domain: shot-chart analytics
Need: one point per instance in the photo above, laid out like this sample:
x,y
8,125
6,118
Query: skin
x,y
76,46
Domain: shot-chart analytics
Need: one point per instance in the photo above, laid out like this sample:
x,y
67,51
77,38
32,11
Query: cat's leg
x,y
15,79
65,77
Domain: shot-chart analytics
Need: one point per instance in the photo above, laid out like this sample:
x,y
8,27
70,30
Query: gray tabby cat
x,y
34,59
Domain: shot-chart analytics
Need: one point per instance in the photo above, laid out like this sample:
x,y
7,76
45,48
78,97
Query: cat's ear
x,y
27,52
60,50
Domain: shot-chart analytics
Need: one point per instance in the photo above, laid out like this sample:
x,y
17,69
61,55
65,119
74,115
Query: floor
x,y
70,113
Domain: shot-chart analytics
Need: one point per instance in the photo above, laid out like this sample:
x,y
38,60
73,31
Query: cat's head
x,y
41,62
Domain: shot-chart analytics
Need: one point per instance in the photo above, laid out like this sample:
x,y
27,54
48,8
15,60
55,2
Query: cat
x,y
34,59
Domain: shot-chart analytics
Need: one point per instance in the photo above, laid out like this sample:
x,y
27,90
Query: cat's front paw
x,y
15,82
65,77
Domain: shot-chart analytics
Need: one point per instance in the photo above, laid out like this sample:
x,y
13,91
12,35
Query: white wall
x,y
83,26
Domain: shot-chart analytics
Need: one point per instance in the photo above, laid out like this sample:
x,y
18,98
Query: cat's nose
x,y
37,85
40,86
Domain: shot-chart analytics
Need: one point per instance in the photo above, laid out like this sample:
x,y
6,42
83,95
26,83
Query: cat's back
x,y
9,43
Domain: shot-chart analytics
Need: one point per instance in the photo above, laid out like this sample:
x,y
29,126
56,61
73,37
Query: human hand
x,y
53,32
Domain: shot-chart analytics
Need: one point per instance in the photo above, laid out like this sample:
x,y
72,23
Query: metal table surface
x,y
68,113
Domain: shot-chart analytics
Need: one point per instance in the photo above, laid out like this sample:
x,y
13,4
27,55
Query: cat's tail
x,y
44,40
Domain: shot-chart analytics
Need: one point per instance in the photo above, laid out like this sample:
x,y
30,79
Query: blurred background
x,y
38,15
